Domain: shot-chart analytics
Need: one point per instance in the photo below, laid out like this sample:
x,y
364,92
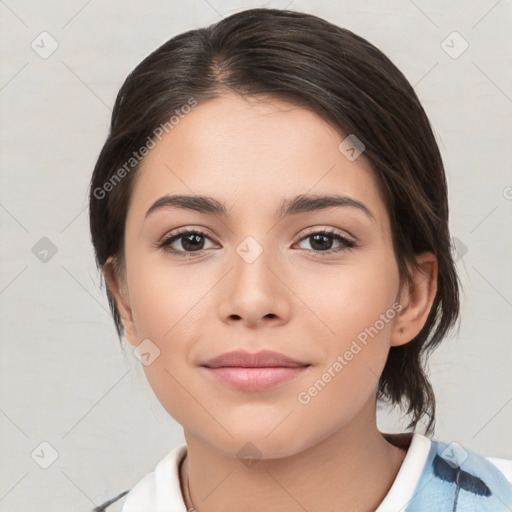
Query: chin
x,y
250,450
250,441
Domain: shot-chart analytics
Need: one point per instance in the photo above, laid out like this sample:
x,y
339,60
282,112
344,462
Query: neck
x,y
350,470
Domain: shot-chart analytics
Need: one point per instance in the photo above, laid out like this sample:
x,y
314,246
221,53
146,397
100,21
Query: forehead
x,y
250,155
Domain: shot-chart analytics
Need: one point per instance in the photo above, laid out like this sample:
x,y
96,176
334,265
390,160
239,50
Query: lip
x,y
254,372
264,358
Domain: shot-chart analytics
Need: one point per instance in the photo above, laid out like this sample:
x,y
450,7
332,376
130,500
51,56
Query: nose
x,y
254,292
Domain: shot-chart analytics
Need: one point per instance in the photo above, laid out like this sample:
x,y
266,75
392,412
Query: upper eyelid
x,y
329,231
185,230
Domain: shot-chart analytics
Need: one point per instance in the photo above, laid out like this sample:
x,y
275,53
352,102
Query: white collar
x,y
408,476
160,490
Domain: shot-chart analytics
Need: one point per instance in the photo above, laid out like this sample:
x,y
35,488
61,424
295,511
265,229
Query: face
x,y
318,285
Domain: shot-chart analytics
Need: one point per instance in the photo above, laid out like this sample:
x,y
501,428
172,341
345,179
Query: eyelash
x,y
347,244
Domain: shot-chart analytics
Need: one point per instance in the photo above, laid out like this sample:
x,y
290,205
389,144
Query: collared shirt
x,y
434,475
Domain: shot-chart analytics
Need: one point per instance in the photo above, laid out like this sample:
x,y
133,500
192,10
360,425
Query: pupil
x,y
194,240
315,239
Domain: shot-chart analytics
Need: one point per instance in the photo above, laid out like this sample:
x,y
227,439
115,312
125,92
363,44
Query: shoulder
x,y
456,479
160,486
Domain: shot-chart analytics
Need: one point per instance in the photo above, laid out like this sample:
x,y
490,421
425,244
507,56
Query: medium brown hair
x,y
347,81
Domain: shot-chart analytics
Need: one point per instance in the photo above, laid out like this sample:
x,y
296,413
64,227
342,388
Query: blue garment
x,y
456,479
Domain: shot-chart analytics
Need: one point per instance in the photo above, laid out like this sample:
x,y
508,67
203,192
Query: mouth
x,y
254,372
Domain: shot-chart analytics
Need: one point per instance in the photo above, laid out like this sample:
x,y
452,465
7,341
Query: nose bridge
x,y
254,289
251,260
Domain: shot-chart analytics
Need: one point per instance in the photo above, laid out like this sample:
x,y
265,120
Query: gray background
x,y
64,378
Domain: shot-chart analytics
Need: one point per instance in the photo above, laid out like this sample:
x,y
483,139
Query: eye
x,y
190,241
193,241
321,241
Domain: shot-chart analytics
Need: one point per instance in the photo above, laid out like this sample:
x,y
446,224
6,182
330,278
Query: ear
x,y
119,291
416,298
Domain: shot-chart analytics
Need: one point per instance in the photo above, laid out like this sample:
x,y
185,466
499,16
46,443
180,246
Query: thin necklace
x,y
187,490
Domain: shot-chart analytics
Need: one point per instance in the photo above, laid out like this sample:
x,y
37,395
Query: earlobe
x,y
118,290
416,299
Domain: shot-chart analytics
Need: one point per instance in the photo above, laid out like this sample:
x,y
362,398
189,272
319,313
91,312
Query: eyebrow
x,y
299,204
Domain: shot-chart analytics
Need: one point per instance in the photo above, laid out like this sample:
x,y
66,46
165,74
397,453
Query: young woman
x,y
270,214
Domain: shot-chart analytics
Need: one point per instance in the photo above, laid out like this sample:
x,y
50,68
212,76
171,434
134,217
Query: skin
x,y
251,156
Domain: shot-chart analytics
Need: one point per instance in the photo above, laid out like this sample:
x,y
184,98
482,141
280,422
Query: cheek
x,y
168,307
165,301
358,309
167,310
347,299
361,314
